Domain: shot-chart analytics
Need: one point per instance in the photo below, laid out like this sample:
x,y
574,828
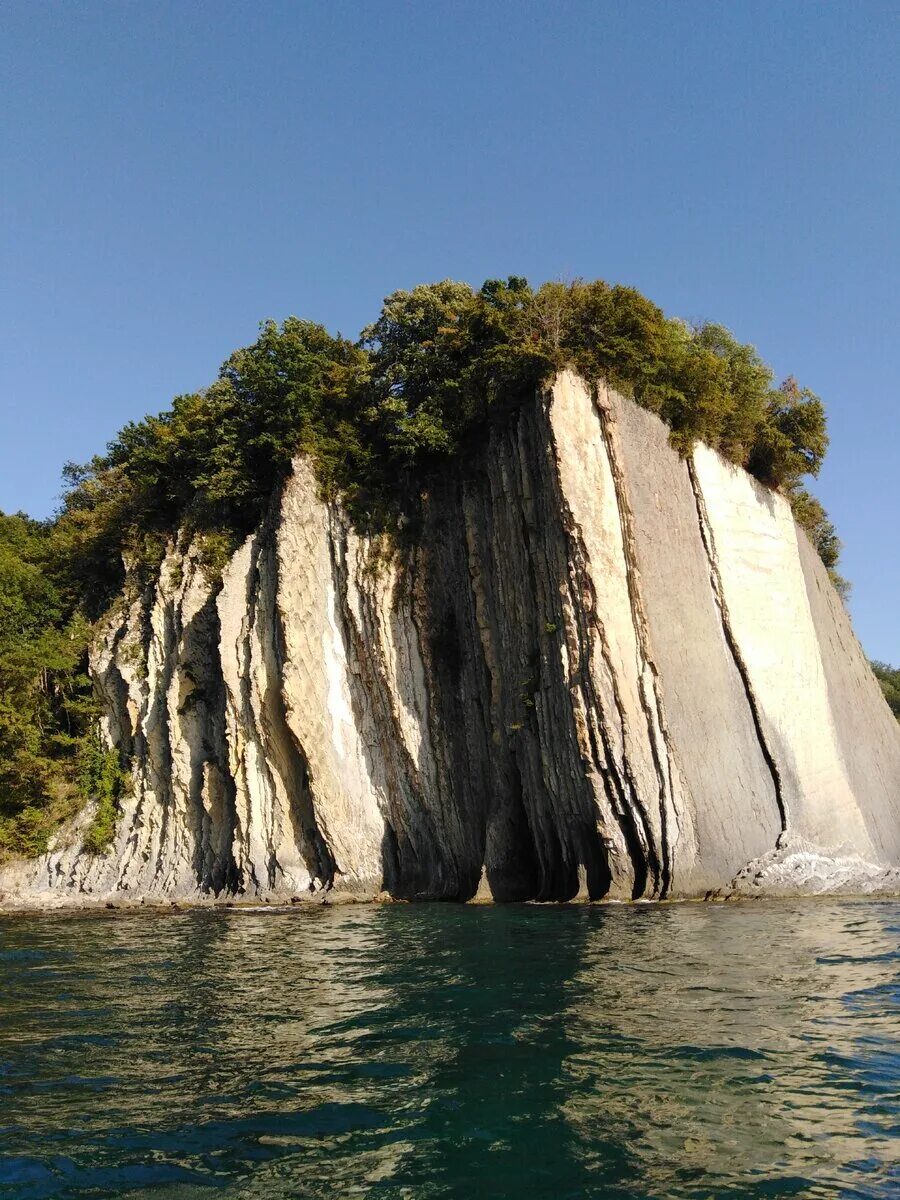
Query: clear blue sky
x,y
174,173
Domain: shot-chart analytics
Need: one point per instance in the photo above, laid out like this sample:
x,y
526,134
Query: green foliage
x,y
26,832
377,417
211,462
133,654
100,778
45,696
216,548
792,440
440,363
889,678
811,515
445,358
50,756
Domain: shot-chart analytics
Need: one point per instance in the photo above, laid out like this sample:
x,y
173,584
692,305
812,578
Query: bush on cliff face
x,y
100,778
814,519
889,678
377,417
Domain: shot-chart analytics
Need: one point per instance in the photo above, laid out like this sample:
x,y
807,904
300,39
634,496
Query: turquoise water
x,y
440,1051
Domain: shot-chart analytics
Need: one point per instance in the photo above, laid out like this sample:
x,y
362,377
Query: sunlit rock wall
x,y
593,669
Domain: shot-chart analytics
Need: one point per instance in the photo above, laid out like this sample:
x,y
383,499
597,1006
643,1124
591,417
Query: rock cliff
x,y
595,669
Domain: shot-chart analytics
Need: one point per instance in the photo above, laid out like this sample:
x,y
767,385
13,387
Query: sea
x,y
672,1051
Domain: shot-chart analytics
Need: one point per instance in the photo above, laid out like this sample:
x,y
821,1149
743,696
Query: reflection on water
x,y
647,1051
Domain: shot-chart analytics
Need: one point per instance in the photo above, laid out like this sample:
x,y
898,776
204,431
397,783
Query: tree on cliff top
x,y
379,416
444,358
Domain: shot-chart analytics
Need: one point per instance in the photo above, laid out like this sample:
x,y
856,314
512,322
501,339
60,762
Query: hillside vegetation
x,y
889,678
377,417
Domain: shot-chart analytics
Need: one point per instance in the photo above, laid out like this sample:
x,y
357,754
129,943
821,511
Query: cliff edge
x,y
598,670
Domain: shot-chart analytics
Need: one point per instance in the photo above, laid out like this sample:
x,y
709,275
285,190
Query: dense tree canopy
x,y
45,699
376,416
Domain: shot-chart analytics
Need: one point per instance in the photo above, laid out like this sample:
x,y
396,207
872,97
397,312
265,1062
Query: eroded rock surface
x,y
597,670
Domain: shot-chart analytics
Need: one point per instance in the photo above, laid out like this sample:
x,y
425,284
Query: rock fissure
x,y
733,645
660,742
283,748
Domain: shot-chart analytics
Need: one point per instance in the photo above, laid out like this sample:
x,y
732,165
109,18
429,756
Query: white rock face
x,y
624,674
317,685
753,539
596,671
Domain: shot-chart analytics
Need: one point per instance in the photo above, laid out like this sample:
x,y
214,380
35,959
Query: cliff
x,y
595,670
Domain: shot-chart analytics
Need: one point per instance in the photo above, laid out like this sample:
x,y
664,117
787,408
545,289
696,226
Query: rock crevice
x,y
734,646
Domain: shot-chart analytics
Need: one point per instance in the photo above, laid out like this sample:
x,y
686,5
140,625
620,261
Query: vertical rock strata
x,y
730,797
595,670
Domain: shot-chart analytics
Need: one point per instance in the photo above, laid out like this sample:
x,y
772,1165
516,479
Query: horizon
x,y
175,177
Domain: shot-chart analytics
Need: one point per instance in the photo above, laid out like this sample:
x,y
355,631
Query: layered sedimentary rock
x,y
592,669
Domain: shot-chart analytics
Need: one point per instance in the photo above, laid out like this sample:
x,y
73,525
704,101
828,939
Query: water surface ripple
x,y
675,1051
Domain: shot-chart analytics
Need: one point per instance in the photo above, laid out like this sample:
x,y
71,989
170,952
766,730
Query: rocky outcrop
x,y
593,669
